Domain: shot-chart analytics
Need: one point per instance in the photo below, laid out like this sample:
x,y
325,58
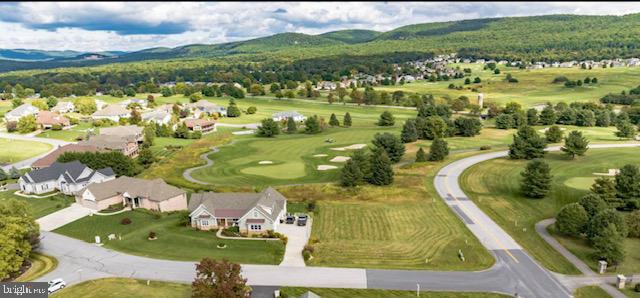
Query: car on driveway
x,y
290,219
302,220
56,284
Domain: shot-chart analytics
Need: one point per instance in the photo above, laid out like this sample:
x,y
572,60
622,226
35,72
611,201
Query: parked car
x,y
302,220
56,284
290,219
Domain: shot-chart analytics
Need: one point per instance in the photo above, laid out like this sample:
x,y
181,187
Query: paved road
x,y
27,162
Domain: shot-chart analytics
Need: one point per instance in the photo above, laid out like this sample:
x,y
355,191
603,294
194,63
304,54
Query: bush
x,y
633,223
12,126
306,255
252,110
311,206
485,147
125,221
152,235
637,287
571,220
231,232
56,127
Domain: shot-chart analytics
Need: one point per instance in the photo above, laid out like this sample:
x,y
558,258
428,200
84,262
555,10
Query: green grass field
x,y
534,86
360,293
161,151
630,292
591,292
388,227
125,287
174,242
70,135
40,207
494,186
17,150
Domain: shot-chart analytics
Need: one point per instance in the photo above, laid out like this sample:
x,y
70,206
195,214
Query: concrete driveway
x,y
62,217
298,238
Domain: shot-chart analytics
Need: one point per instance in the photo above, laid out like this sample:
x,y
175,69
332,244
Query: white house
x,y
112,112
159,117
253,213
205,106
141,102
64,107
21,111
68,178
283,116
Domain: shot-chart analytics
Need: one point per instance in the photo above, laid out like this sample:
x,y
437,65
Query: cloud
x,y
94,26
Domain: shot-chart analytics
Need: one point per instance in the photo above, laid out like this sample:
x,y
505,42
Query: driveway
x,y
297,239
62,217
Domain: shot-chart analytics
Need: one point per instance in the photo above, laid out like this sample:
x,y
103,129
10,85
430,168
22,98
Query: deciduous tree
x,y
575,144
219,279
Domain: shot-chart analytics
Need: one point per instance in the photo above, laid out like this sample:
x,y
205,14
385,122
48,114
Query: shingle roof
x,y
53,156
287,114
155,190
108,142
235,205
24,108
111,110
70,170
122,131
51,118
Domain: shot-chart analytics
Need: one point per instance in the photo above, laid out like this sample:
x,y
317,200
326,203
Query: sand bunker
x,y
265,162
326,167
243,132
612,172
351,147
340,159
320,155
547,128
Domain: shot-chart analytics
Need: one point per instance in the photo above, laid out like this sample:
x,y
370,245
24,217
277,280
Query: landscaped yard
x,y
40,265
40,207
70,135
494,186
160,145
591,292
125,287
16,150
405,225
175,242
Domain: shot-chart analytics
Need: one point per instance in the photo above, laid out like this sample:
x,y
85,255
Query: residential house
x,y
51,158
68,178
64,107
156,116
201,125
127,146
132,132
207,107
326,85
143,103
21,111
633,62
46,120
133,192
251,212
283,116
112,112
100,104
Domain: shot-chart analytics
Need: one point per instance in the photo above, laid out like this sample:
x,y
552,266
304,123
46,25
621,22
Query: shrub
x,y
125,221
485,147
571,220
309,248
152,235
633,223
231,232
56,127
306,255
12,126
252,110
637,287
311,206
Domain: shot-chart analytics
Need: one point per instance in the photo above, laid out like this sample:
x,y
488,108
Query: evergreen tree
x,y
292,127
527,144
386,119
3,175
312,125
421,156
548,115
333,120
532,117
268,128
505,121
571,220
14,173
575,144
626,130
536,179
381,170
232,109
467,126
553,134
439,150
391,144
628,184
605,188
592,204
347,120
609,245
431,127
350,175
602,219
409,132
362,161
146,157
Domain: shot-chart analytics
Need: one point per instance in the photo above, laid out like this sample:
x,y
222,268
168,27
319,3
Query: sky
x,y
131,26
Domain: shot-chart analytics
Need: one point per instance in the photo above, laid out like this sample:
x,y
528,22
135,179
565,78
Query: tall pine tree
x,y
409,131
536,179
347,120
527,144
439,150
333,121
575,144
381,170
421,156
350,175
292,127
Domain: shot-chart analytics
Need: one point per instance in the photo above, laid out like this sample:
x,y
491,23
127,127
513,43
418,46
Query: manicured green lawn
x,y
174,242
40,207
398,226
17,150
630,292
534,86
591,292
40,265
494,186
70,135
125,287
367,293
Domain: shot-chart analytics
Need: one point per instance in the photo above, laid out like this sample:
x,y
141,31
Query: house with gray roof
x,y
253,213
283,116
21,111
131,132
135,193
205,106
157,116
68,178
111,112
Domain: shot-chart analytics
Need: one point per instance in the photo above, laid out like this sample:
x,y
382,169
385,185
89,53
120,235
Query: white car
x,y
56,284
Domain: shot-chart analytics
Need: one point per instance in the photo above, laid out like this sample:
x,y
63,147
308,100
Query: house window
x,y
255,214
255,227
204,222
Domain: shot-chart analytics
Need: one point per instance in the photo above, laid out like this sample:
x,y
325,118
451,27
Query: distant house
x,y
201,125
326,85
131,132
51,158
21,111
46,120
69,178
251,212
100,104
283,116
133,192
112,112
127,146
143,103
156,116
208,107
64,107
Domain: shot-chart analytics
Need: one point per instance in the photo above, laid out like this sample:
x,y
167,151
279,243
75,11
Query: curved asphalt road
x,y
515,272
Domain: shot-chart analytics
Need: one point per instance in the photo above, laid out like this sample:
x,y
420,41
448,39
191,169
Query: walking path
x,y
27,162
541,228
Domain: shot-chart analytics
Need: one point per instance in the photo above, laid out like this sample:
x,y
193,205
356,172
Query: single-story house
x,y
51,158
111,112
46,119
283,116
133,192
156,116
208,107
133,132
21,111
64,107
127,146
69,178
252,212
327,85
201,125
141,102
100,104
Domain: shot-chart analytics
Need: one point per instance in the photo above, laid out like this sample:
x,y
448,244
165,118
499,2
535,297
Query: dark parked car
x,y
302,220
290,219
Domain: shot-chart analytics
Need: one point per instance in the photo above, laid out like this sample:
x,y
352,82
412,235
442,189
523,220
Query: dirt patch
x,y
265,162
